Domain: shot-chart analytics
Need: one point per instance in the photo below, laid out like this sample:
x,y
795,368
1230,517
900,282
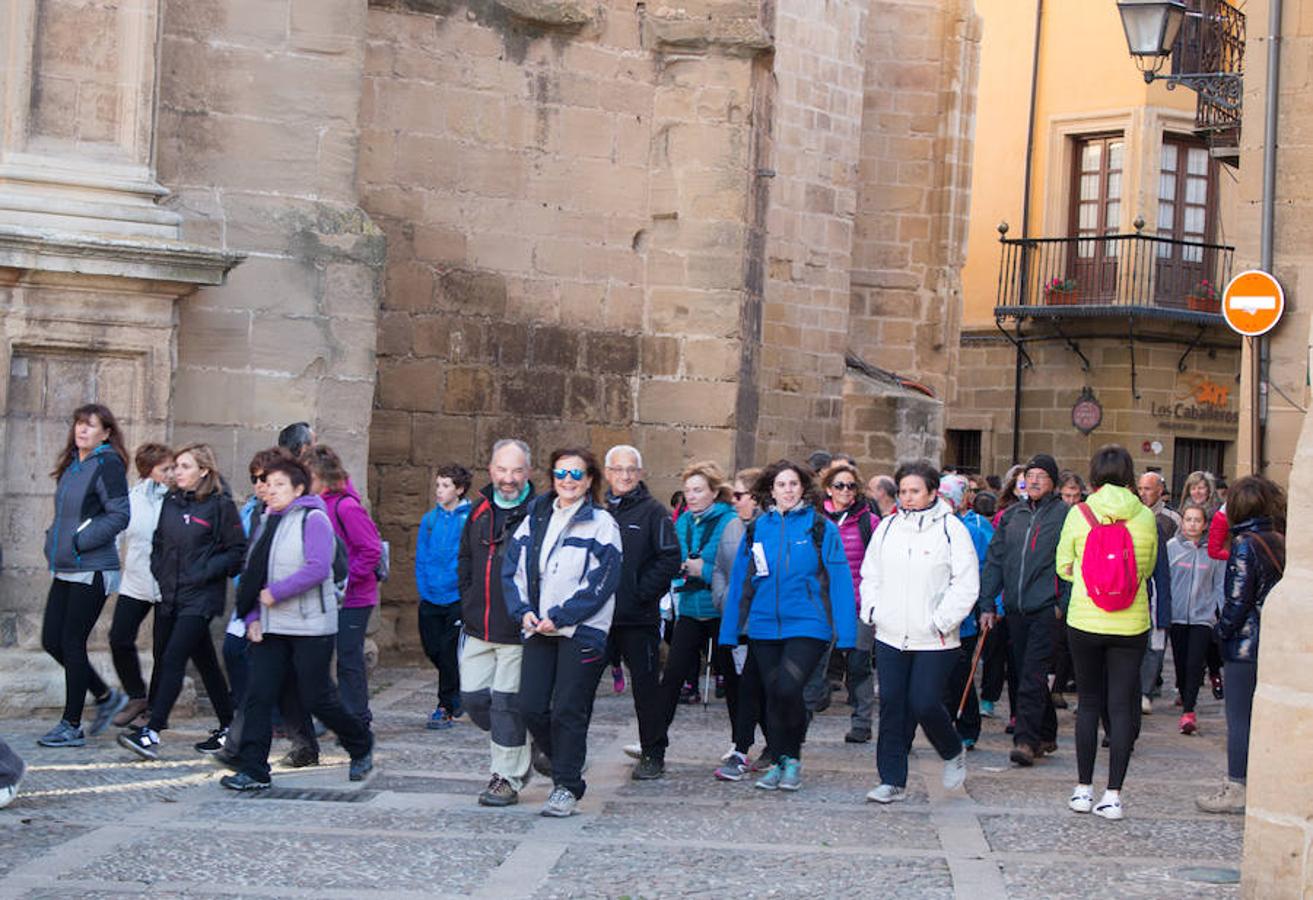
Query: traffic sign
x,y
1252,303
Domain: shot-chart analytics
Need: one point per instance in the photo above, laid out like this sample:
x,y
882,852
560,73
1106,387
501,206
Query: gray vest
x,y
309,614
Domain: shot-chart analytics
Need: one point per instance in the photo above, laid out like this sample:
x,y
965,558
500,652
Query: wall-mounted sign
x,y
1087,414
1252,303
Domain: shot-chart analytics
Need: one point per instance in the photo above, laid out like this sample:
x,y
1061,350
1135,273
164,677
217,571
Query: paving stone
x,y
257,811
1064,881
818,787
21,843
1143,836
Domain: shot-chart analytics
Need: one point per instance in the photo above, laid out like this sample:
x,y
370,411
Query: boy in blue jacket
x,y
436,558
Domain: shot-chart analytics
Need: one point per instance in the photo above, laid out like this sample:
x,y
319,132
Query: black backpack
x,y
341,566
822,574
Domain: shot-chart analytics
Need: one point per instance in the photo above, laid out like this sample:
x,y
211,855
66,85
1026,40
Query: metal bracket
x,y
1073,346
1180,364
1135,390
1030,364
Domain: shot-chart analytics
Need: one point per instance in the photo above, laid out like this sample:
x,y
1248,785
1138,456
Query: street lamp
x,y
1151,28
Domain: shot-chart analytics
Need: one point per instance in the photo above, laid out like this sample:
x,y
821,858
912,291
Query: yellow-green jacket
x,y
1109,503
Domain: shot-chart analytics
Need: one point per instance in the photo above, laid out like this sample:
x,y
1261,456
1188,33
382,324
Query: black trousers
x,y
129,613
751,708
1033,637
640,648
558,682
691,637
71,612
1107,678
309,657
187,637
785,667
439,633
996,668
1190,645
912,693
959,680
1063,673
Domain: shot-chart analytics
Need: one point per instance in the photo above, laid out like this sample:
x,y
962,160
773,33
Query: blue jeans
x,y
912,685
352,678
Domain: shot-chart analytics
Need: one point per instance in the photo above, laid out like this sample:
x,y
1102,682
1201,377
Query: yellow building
x,y
1104,286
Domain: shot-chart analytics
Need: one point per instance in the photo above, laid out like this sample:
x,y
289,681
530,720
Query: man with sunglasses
x,y
651,559
491,657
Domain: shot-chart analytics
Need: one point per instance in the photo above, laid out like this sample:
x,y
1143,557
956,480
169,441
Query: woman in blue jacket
x,y
792,592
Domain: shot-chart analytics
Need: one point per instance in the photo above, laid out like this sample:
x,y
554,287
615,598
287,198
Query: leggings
x,y
1107,674
785,667
129,613
683,664
1190,645
71,612
188,637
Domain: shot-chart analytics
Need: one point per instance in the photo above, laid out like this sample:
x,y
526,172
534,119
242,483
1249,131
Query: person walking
x,y
1107,619
91,508
650,559
791,591
961,682
288,599
997,670
138,591
364,548
1256,564
437,577
491,658
198,545
559,580
1197,582
920,579
1152,488
1020,564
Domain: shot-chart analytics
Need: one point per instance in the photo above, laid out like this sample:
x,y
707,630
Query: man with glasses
x,y
1021,562
490,659
651,559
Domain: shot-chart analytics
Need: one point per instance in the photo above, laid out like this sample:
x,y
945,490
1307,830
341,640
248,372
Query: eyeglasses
x,y
626,471
562,474
844,485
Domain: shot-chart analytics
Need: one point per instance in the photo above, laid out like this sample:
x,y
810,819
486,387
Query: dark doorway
x,y
962,451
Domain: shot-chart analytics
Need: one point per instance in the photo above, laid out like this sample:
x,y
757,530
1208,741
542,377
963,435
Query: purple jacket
x,y
851,535
364,548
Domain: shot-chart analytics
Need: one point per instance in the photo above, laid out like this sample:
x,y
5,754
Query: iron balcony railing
x,y
1113,275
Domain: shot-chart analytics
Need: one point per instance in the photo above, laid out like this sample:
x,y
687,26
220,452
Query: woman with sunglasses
x,y
559,579
847,507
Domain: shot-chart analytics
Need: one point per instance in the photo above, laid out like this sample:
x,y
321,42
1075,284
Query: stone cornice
x,y
155,260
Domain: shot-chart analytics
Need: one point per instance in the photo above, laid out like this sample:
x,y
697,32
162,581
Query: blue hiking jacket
x,y
981,534
787,600
437,554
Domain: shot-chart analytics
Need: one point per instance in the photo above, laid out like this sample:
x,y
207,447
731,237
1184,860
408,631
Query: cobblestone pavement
x,y
92,822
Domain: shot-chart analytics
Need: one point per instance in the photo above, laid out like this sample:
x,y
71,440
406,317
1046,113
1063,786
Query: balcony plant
x,y
1061,292
1203,298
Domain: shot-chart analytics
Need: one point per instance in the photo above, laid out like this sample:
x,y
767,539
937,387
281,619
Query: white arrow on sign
x,y
1253,305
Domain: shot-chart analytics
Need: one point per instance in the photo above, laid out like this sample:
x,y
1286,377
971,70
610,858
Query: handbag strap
x,y
1272,557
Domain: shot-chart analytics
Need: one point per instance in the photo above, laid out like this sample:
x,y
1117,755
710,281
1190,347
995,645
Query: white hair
x,y
519,445
623,448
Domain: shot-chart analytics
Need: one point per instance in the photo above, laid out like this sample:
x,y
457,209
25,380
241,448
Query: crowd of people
x,y
786,582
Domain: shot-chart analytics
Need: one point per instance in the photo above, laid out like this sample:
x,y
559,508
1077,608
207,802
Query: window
x,y
1096,210
963,450
1194,455
1186,198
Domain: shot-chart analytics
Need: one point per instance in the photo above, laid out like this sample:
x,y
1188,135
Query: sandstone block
x,y
555,347
695,312
535,392
409,384
553,13
715,359
469,389
440,439
480,293
687,403
606,353
660,355
389,436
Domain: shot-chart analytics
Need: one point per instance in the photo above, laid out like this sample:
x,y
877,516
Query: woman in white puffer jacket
x,y
920,579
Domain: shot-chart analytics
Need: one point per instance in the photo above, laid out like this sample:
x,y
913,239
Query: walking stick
x,y
706,680
975,661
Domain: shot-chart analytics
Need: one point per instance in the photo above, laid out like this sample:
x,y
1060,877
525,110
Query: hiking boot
x,y
214,743
63,735
106,710
1109,807
857,736
1023,755
361,767
771,780
618,679
649,768
1059,701
986,709
299,758
1229,799
560,804
955,771
736,769
130,711
1189,723
499,793
141,741
1046,747
441,720
1082,799
791,777
1216,681
542,763
886,793
243,782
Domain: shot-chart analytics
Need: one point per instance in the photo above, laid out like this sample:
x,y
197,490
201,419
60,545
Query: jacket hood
x,y
149,488
924,518
307,502
1114,502
637,495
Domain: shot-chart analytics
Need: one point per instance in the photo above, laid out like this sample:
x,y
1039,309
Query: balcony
x,y
1113,276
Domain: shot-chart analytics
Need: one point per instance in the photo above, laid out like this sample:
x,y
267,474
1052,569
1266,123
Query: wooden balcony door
x,y
1186,189
1096,211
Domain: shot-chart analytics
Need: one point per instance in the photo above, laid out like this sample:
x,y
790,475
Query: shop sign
x,y
1087,414
1205,404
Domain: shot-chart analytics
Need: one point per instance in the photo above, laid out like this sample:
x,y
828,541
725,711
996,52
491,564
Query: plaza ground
x,y
94,823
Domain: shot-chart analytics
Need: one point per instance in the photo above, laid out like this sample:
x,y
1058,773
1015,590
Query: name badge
x,y
759,559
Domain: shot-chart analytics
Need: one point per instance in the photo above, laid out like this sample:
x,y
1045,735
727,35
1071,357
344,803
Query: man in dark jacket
x,y
1021,564
650,560
490,660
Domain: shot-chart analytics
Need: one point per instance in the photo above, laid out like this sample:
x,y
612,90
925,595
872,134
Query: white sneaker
x,y
955,771
1082,799
1146,705
1109,807
635,751
886,793
7,795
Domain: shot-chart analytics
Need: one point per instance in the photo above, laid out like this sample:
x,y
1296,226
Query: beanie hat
x,y
1045,462
953,488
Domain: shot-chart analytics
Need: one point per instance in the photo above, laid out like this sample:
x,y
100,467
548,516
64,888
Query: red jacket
x,y
1219,536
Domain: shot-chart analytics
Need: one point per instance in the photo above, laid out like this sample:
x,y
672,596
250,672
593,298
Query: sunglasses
x,y
255,478
844,485
739,495
562,474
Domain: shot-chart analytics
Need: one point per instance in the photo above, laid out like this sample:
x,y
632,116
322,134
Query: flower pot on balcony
x,y
1203,304
1061,298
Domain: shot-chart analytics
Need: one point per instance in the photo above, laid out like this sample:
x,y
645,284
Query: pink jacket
x,y
851,534
363,545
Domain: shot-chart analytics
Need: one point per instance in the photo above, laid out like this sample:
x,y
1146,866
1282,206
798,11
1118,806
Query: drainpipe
x,y
1262,347
1025,228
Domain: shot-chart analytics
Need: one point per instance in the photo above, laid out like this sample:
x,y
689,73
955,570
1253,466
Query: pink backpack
x,y
1108,565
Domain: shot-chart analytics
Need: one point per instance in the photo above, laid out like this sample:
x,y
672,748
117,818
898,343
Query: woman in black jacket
x,y
199,544
1258,558
91,508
